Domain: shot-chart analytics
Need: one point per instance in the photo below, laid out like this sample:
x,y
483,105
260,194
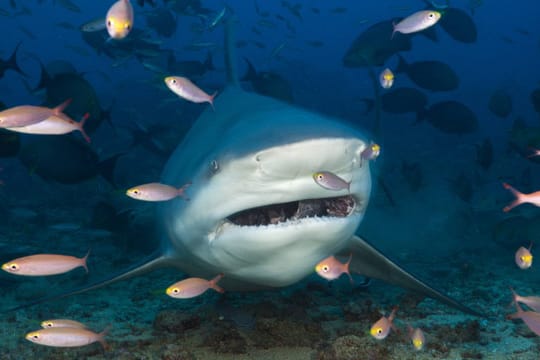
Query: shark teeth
x,y
341,206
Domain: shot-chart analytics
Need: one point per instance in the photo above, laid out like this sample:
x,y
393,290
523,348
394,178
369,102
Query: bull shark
x,y
255,213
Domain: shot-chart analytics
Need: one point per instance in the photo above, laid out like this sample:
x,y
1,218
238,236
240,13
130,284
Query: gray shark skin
x,y
250,153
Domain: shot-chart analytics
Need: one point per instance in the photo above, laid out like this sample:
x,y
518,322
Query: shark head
x,y
255,213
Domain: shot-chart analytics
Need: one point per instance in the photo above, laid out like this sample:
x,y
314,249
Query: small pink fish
x,y
535,152
417,337
331,181
418,21
521,198
27,114
386,78
382,327
184,88
67,337
531,301
523,257
530,318
44,264
55,323
331,268
371,152
156,192
193,287
54,125
119,19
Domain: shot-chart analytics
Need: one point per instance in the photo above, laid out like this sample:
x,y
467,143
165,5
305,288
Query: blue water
x,y
458,246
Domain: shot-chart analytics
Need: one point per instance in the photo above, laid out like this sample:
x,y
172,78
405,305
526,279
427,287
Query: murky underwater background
x,y
440,217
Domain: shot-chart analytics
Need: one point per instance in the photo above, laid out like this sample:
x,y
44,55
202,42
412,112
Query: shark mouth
x,y
341,206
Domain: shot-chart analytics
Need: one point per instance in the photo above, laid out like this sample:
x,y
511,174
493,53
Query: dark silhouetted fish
x,y
459,25
400,101
535,100
189,68
10,63
142,2
462,187
523,138
374,46
484,154
65,159
163,21
451,117
432,75
83,98
500,103
268,83
414,177
10,142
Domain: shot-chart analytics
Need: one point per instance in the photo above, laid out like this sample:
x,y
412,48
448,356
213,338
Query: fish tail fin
x,y
211,100
518,201
215,286
402,65
101,337
182,191
81,127
107,166
60,108
392,315
154,261
44,80
347,271
12,61
85,259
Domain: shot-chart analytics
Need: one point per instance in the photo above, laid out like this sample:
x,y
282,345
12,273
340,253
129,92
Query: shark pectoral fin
x,y
370,262
150,263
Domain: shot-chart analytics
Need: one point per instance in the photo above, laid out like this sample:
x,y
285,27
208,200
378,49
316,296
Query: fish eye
x,y
109,23
175,290
325,268
14,266
49,324
127,26
173,81
320,176
379,331
136,191
35,336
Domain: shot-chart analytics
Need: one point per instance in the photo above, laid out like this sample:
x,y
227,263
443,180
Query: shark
x,y
255,213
